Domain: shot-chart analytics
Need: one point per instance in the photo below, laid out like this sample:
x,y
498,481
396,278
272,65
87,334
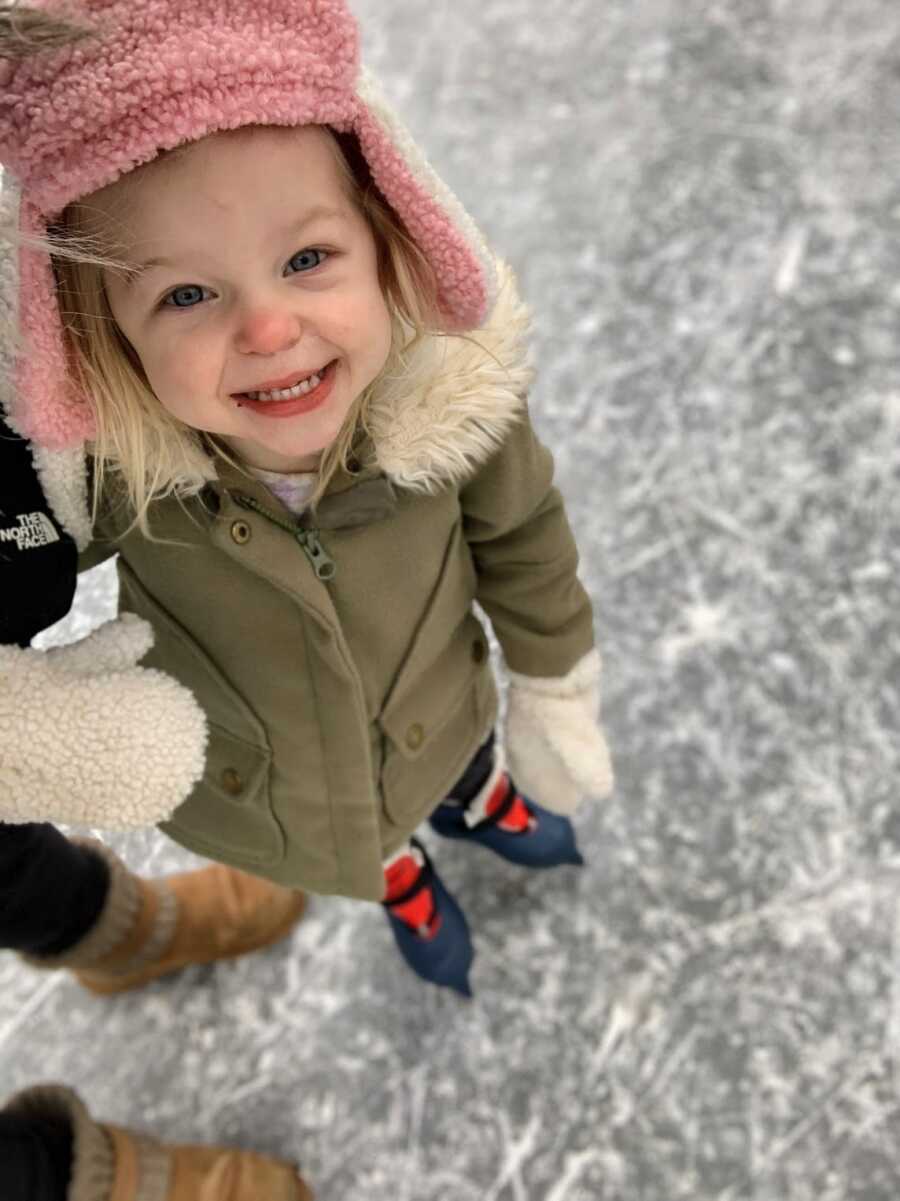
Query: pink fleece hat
x,y
163,72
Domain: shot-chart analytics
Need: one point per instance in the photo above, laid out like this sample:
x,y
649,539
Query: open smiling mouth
x,y
301,397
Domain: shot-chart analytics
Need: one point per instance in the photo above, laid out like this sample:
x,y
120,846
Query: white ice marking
x,y
518,1150
841,1086
793,250
28,1008
893,1024
627,1012
703,624
650,554
575,1163
417,1093
660,1070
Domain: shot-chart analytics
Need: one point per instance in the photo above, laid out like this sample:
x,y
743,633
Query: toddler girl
x,y
301,379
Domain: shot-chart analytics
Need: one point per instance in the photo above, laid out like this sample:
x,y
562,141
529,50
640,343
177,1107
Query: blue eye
x,y
305,260
184,297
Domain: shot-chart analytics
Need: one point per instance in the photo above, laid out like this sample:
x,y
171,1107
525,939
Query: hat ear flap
x,y
434,218
47,405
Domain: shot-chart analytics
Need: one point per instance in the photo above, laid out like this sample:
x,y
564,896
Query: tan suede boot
x,y
112,1164
148,928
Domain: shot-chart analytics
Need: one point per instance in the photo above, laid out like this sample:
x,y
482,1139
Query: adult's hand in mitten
x,y
89,738
554,742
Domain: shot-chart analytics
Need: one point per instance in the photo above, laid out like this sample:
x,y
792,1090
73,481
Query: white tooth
x,y
288,393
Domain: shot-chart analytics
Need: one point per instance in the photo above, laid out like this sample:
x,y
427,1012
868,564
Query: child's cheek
x,y
189,354
338,320
365,324
170,373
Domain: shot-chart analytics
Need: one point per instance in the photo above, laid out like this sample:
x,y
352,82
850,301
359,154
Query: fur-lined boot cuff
x,y
93,1157
110,1163
137,920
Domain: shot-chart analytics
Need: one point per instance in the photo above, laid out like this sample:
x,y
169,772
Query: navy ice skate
x,y
510,825
428,925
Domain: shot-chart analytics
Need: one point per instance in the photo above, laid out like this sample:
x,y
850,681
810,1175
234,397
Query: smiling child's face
x,y
256,310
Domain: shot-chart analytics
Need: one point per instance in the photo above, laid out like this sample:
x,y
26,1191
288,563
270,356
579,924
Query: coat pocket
x,y
443,699
228,815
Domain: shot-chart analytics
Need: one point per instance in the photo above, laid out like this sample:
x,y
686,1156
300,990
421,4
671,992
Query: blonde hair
x,y
152,452
27,31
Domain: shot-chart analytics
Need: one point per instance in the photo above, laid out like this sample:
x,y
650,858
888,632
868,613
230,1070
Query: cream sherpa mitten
x,y
555,744
88,738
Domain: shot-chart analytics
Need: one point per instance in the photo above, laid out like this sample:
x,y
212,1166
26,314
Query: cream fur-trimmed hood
x,y
468,390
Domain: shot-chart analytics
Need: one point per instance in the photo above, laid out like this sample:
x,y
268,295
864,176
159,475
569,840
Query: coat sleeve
x,y
526,559
37,555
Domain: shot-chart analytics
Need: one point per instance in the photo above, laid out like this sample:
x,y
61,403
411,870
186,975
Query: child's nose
x,y
267,331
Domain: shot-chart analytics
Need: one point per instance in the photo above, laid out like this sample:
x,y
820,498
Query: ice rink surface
x,y
702,202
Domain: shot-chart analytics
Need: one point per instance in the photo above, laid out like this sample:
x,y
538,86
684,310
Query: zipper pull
x,y
323,566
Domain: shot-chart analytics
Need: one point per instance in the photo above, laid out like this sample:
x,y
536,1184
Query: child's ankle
x,y
411,904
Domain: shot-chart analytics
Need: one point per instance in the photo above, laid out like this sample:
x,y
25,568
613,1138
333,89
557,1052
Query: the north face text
x,y
31,531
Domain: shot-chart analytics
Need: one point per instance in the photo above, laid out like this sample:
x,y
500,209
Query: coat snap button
x,y
240,532
232,782
479,651
415,736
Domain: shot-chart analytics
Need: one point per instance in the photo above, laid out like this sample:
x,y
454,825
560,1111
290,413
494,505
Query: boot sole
x,y
153,971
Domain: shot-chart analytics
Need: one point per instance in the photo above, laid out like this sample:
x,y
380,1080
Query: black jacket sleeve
x,y
37,557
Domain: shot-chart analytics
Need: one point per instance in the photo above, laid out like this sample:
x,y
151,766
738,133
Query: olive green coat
x,y
342,709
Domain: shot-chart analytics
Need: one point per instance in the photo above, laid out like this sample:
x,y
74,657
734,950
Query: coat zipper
x,y
324,567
